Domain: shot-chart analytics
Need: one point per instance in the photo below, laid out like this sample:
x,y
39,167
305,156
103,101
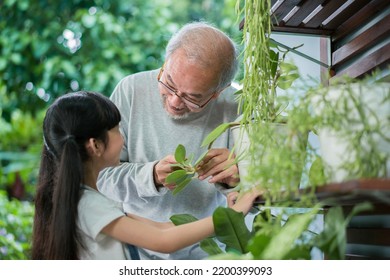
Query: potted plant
x,y
263,122
352,120
356,115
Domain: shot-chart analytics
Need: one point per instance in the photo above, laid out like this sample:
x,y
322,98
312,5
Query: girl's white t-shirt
x,y
95,211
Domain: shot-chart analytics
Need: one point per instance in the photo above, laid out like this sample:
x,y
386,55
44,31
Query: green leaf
x,y
231,256
287,67
230,229
332,240
272,44
238,92
289,73
180,219
286,81
317,172
213,135
281,244
364,206
258,243
274,58
301,252
180,153
182,185
176,176
210,247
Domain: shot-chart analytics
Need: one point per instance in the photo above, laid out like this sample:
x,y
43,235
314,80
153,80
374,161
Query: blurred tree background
x,y
51,47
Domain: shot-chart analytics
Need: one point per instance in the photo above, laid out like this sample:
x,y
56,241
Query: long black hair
x,y
69,123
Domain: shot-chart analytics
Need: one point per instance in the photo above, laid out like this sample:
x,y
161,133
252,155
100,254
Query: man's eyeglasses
x,y
186,100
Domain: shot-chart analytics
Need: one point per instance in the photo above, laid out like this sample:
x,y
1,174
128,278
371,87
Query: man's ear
x,y
94,147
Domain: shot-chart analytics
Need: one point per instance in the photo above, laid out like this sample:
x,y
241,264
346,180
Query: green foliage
x,y
16,218
274,238
257,62
271,237
23,132
333,239
50,47
277,159
261,106
20,150
264,65
21,142
317,172
286,241
74,50
89,45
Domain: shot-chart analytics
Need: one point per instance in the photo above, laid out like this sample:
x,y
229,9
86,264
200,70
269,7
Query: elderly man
x,y
180,103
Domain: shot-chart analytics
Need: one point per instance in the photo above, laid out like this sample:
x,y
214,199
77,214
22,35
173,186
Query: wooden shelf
x,y
349,193
376,191
368,234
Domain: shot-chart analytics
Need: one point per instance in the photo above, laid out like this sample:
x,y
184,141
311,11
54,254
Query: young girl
x,y
72,219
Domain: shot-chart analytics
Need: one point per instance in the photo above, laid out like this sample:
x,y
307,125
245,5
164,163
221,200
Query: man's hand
x,y
162,169
220,167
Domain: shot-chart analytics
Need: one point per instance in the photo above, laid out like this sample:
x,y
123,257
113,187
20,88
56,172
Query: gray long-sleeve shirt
x,y
150,135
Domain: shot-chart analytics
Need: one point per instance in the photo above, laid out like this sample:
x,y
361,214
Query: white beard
x,y
175,117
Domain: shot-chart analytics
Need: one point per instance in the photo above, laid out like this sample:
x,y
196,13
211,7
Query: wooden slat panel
x,y
376,191
303,12
342,15
362,42
363,15
364,66
360,257
327,10
364,256
369,236
378,209
302,30
345,14
283,10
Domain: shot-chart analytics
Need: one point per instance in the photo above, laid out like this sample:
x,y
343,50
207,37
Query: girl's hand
x,y
243,202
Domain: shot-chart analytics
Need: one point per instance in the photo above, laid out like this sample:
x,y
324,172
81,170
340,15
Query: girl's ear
x,y
94,147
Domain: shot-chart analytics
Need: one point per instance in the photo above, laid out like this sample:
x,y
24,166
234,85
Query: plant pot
x,y
241,149
274,160
355,134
